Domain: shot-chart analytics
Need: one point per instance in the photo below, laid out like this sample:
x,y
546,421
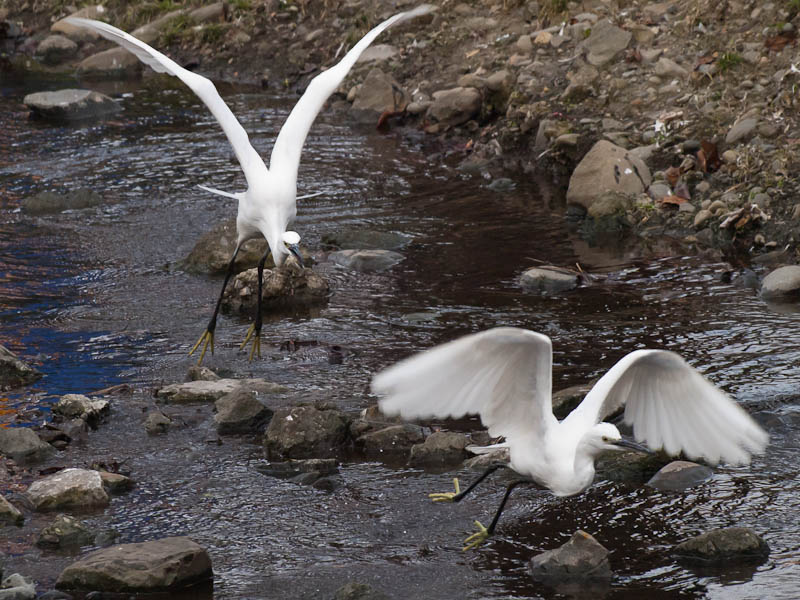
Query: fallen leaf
x,y
711,153
704,60
673,174
472,53
701,161
776,43
634,56
673,200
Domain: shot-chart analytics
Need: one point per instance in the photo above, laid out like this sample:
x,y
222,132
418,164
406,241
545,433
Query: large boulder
x,y
14,372
162,565
782,284
70,104
455,106
366,260
56,49
23,445
45,203
607,168
284,287
581,558
76,33
212,252
306,432
724,547
378,94
70,488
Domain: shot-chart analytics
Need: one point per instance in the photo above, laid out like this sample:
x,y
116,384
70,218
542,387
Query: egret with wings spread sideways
x,y
504,375
269,204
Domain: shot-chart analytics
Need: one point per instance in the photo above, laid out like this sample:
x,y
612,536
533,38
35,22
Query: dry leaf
x,y
776,43
711,153
673,174
673,200
472,53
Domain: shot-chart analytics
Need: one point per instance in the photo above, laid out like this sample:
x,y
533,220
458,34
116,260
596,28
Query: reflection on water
x,y
95,297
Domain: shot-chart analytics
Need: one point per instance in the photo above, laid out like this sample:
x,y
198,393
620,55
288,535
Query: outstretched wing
x,y
286,153
673,407
251,162
501,374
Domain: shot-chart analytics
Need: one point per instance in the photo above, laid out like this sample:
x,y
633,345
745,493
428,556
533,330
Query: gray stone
x,y
439,449
23,445
70,104
605,168
455,106
76,33
201,373
78,405
287,286
212,252
378,94
156,566
782,284
680,475
581,558
359,591
605,42
741,131
70,488
208,14
377,53
115,483
291,468
17,587
669,68
241,412
64,532
657,191
56,49
548,280
366,260
391,442
9,514
366,239
724,547
702,216
13,372
484,461
108,64
157,422
306,432
211,391
45,203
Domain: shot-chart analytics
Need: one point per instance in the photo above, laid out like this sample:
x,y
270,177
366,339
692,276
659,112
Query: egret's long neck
x,y
584,461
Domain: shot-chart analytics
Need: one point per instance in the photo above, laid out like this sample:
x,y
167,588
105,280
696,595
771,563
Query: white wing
x,y
501,374
251,162
672,406
286,153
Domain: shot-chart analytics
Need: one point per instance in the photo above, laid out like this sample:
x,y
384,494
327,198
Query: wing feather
x,y
252,164
503,375
672,406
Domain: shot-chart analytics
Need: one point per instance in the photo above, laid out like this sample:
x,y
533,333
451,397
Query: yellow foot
x,y
446,496
207,339
477,538
256,349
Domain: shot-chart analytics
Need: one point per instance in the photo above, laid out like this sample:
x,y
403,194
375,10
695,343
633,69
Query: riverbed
x,y
97,297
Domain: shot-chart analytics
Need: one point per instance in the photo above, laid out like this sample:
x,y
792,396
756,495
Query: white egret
x,y
504,375
269,204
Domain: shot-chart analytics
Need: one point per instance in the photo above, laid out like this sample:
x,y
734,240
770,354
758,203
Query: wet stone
x,y
455,106
17,587
157,422
161,565
439,449
723,547
359,591
241,412
548,280
14,372
56,49
582,558
680,475
212,252
366,239
211,391
306,432
9,514
23,445
82,407
70,488
378,94
366,260
782,284
392,441
484,461
288,286
116,483
46,203
65,532
70,104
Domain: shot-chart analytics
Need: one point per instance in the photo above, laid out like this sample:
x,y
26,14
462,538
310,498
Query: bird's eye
x,y
606,438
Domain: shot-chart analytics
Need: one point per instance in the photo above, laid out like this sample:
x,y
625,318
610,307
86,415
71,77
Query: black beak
x,y
633,446
295,250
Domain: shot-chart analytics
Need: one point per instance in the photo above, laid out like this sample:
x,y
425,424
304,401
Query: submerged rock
x,y
17,587
680,475
723,547
9,514
320,473
23,445
46,203
284,287
582,558
782,284
14,372
366,260
70,104
439,449
161,565
157,422
306,432
65,531
359,591
366,239
70,488
548,280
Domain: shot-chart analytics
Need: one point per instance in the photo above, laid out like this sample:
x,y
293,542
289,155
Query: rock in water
x,y
306,432
440,448
582,557
70,488
366,260
285,287
548,280
724,546
9,514
14,372
17,587
70,104
65,531
46,203
162,565
241,412
782,284
359,591
213,251
23,445
680,475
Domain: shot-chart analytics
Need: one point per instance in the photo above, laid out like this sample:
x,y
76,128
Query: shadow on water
x,y
95,297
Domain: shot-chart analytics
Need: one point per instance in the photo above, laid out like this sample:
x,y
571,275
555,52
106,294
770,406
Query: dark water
x,y
95,298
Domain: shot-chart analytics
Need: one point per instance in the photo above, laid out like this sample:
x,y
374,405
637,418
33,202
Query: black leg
x,y
509,489
208,334
255,329
491,469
